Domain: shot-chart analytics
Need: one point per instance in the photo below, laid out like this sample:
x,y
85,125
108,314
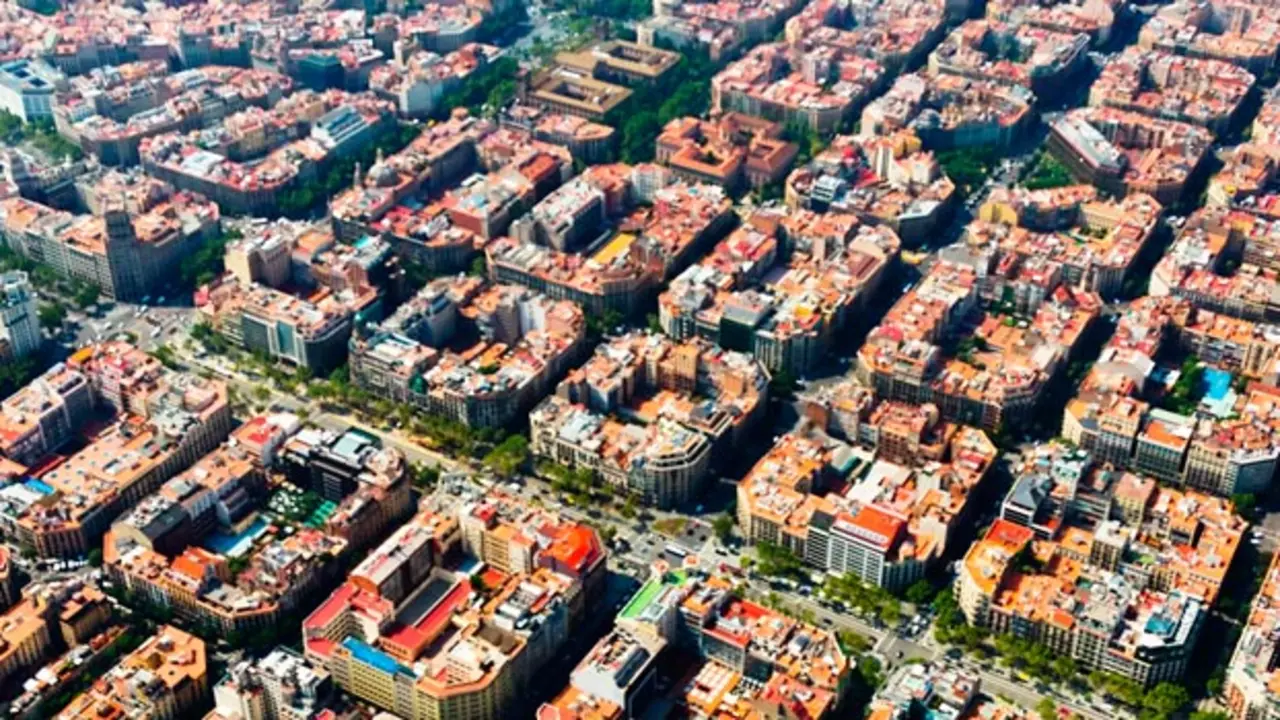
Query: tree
x,y
52,315
492,85
84,295
777,561
968,168
1246,504
1065,668
1165,699
165,355
602,323
723,527
853,643
1047,709
95,557
628,507
869,672
237,565
891,613
425,476
16,373
205,264
783,384
1047,172
920,592
508,456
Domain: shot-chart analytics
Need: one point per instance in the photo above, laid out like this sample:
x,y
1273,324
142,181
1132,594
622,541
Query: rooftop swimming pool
x,y
1217,383
237,544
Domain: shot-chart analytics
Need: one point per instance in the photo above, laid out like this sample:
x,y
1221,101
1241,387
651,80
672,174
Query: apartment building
x,y
617,676
166,677
720,38
786,317
649,414
1102,619
110,114
218,491
9,587
890,521
72,505
1046,59
882,180
450,649
27,636
894,33
401,562
1095,19
950,111
102,39
45,414
944,688
28,89
663,463
1253,682
1160,537
1025,242
620,62
524,342
718,27
439,157
662,225
1243,33
368,481
418,80
306,333
765,84
19,316
1231,448
280,686
998,383
588,141
747,656
1203,92
128,249
177,547
1195,266
321,128
1096,143
197,584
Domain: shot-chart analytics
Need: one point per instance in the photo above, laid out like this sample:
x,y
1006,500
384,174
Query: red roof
x,y
576,548
1009,533
878,526
325,614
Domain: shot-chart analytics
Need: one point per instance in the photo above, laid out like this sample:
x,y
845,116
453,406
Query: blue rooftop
x,y
1217,383
39,486
373,657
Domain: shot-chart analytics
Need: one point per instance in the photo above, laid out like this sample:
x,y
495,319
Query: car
x,y
827,621
899,653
